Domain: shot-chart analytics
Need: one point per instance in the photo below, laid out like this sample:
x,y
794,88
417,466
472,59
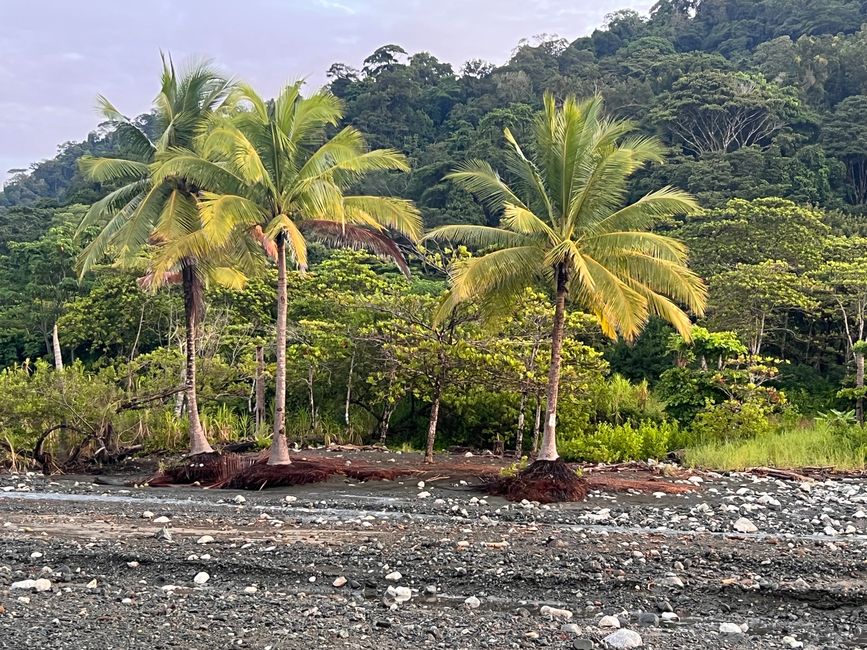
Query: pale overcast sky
x,y
57,55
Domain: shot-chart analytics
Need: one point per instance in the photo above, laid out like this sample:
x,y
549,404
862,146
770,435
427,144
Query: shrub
x,y
730,420
620,443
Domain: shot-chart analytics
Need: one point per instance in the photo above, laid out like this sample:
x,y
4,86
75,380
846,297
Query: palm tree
x,y
148,209
272,164
563,220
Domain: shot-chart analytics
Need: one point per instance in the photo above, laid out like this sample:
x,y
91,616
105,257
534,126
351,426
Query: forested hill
x,y
756,98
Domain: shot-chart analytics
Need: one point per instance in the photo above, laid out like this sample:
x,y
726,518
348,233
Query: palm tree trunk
x,y
260,387
432,423
198,442
55,347
349,395
549,436
279,448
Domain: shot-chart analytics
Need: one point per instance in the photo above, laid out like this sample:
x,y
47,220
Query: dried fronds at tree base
x,y
208,470
545,481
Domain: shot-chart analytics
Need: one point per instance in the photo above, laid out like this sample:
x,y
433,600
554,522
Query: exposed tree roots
x,y
208,470
261,475
545,481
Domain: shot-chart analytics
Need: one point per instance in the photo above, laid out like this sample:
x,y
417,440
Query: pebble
x,y
163,534
792,642
423,495
554,612
400,594
730,628
669,617
394,576
147,514
162,520
42,584
570,628
201,578
609,622
205,539
582,644
623,640
670,581
472,602
744,525
92,584
250,590
339,582
239,499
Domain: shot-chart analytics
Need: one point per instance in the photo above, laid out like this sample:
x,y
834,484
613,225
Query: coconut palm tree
x,y
272,164
160,210
564,221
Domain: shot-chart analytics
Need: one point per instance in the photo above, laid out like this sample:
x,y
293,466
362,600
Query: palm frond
x,y
478,236
340,235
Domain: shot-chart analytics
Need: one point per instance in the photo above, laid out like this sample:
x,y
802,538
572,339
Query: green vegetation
x,y
297,287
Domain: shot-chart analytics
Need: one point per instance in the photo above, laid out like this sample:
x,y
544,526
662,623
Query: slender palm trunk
x,y
198,442
279,447
432,423
55,348
349,395
537,425
549,436
859,383
260,387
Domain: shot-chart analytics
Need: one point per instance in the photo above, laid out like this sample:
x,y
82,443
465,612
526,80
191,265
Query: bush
x,y
620,443
729,421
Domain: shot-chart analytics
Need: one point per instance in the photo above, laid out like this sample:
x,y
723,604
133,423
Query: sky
x,y
56,56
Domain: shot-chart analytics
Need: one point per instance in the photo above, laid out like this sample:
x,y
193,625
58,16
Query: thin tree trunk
x,y
349,394
388,410
55,347
198,442
279,448
549,436
432,424
537,425
859,383
311,396
519,434
260,387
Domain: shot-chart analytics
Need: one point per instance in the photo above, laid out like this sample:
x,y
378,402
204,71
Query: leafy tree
x,y
564,222
845,136
715,111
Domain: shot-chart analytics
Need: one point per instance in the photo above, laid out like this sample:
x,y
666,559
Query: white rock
x,y
147,514
42,584
860,515
201,578
695,480
205,539
127,601
805,487
469,454
792,642
609,623
669,581
830,531
92,584
570,628
730,628
239,499
23,584
250,590
290,499
472,602
132,565
423,495
421,485
623,640
339,582
35,555
744,525
162,520
669,616
394,576
400,594
554,612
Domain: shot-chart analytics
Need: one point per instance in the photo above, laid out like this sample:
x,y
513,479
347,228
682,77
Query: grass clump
x,y
813,445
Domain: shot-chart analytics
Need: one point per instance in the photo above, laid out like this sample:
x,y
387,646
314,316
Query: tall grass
x,y
809,445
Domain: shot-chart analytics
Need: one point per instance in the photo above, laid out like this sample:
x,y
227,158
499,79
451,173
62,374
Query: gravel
x,y
669,570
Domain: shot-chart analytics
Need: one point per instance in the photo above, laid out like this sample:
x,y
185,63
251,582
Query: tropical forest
x,y
664,221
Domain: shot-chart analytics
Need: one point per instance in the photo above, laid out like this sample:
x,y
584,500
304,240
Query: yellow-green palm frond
x,y
342,235
103,170
521,220
478,236
646,211
479,178
396,214
282,224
